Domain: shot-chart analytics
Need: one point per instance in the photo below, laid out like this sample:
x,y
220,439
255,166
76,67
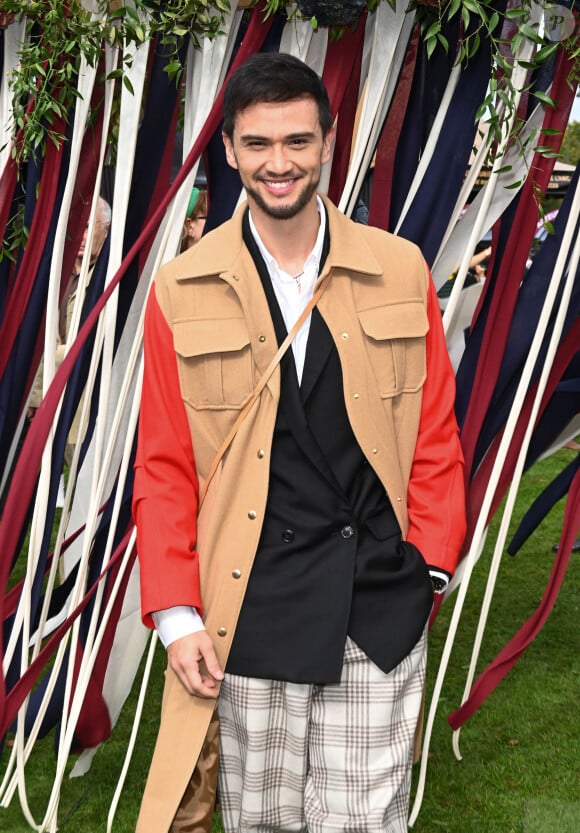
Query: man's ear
x,y
327,144
230,155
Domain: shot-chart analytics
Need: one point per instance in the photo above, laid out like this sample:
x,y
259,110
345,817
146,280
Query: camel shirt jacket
x,y
208,338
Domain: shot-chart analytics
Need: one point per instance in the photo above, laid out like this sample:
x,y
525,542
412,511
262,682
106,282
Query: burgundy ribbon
x,y
29,459
380,203
341,77
507,658
511,270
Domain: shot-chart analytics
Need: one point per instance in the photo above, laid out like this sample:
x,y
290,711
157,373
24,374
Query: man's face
x,y
99,236
279,150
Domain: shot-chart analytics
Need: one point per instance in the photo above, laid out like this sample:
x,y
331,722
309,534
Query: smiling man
x,y
300,588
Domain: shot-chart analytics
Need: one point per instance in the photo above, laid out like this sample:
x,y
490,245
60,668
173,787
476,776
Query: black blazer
x,y
330,561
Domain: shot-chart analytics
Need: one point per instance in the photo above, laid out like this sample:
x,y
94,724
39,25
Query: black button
x,y
288,536
347,532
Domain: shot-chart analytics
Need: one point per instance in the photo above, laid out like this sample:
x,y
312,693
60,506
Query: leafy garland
x,y
480,20
60,33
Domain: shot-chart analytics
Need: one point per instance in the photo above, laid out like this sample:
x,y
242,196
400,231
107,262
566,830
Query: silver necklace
x,y
297,278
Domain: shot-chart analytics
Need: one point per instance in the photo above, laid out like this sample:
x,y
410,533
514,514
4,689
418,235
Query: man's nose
x,y
278,162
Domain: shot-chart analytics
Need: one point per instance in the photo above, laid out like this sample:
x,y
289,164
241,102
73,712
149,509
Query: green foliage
x,y
58,36
480,22
336,32
570,151
16,235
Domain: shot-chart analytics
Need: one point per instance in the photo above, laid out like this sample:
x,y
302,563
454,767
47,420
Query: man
x,y
100,232
66,309
195,218
301,589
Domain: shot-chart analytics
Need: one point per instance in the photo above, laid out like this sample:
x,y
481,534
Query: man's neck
x,y
288,241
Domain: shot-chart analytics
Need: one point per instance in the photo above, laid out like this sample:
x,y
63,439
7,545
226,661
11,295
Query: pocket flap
x,y
407,319
203,336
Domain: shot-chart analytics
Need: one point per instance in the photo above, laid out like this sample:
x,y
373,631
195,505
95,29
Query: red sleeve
x,y
436,495
165,496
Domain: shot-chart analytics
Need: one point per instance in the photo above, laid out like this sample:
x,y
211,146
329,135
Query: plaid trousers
x,y
321,758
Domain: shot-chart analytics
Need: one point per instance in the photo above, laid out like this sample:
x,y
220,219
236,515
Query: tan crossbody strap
x,y
262,383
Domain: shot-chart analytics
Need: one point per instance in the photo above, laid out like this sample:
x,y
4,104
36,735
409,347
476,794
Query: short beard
x,y
284,212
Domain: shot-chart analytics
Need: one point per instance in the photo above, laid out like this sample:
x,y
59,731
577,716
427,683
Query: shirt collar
x,y
313,257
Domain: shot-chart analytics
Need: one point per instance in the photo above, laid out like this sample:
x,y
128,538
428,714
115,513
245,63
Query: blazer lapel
x,y
290,405
318,350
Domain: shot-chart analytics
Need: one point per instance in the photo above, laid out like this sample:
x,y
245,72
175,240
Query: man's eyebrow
x,y
251,137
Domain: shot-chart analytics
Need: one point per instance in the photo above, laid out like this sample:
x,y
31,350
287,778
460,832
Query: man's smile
x,y
279,185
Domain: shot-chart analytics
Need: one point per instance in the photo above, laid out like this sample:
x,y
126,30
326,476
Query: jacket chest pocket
x,y
215,362
395,340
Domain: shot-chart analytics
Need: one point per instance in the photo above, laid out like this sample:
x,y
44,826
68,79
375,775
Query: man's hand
x,y
194,660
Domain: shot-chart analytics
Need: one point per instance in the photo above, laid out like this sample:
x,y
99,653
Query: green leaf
x,y
514,14
443,41
546,51
503,63
173,67
431,44
480,112
493,21
465,17
453,8
132,13
544,98
475,44
433,30
531,32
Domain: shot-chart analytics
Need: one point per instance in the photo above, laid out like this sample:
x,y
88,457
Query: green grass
x,y
520,769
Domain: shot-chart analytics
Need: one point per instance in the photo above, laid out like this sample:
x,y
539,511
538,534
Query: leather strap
x,y
262,383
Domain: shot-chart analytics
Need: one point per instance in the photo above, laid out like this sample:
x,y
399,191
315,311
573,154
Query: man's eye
x,y
298,142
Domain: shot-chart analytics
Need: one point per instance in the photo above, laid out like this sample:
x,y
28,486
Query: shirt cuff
x,y
175,622
441,579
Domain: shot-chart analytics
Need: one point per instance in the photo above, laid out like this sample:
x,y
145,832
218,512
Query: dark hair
x,y
274,77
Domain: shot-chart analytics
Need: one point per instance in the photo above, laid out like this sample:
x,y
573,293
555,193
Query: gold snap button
x,y
252,515
237,573
222,632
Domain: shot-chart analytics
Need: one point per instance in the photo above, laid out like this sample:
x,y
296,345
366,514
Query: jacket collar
x,y
223,252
